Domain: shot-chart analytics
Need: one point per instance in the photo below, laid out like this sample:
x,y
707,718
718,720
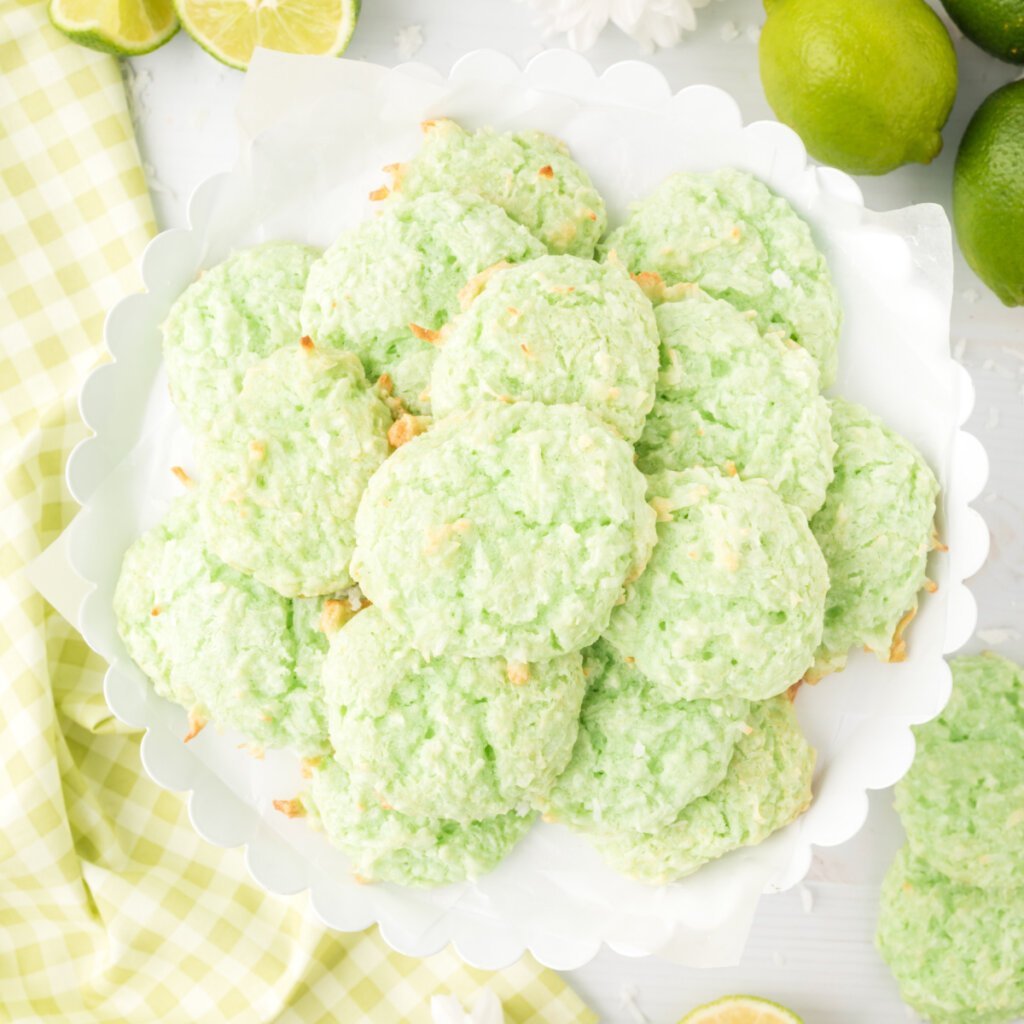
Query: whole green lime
x,y
988,193
867,84
997,26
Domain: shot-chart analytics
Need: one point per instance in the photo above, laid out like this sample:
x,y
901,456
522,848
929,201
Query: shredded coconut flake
x,y
959,348
730,31
970,295
781,279
995,637
627,1000
806,899
409,40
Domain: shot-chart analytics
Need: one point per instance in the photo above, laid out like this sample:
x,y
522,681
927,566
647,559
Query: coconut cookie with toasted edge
x,y
767,785
219,643
447,737
639,759
505,531
386,287
731,602
962,802
231,317
284,466
875,529
734,399
557,330
388,846
529,174
729,233
957,952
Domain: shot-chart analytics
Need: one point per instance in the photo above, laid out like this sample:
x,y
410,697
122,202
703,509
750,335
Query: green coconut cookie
x,y
962,806
554,330
385,288
987,702
639,760
733,399
767,786
448,737
284,466
731,602
530,175
388,846
956,951
962,802
730,234
232,316
505,531
875,530
217,642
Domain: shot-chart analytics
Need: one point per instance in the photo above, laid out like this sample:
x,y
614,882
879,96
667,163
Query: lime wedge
x,y
741,1010
122,27
232,29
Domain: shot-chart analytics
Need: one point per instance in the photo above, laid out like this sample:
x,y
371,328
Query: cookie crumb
x,y
290,808
405,428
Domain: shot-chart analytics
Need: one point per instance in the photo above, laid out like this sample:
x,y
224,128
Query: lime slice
x,y
741,1010
122,27
232,29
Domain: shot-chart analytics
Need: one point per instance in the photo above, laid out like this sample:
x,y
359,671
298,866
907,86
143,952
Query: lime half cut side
x,y
741,1010
125,28
231,30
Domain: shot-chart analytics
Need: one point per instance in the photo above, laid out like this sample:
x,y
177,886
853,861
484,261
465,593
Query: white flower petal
x,y
651,22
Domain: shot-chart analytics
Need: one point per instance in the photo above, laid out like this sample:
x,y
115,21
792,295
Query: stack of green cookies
x,y
951,925
496,514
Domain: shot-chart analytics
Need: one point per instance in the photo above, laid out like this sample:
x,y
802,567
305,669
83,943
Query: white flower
x,y
652,23
486,1010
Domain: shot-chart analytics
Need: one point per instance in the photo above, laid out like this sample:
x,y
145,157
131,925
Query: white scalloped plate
x,y
552,896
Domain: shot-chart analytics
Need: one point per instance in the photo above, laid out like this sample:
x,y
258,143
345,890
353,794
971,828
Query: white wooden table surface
x,y
811,948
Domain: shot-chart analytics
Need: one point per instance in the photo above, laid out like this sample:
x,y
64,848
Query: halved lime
x,y
741,1010
232,29
122,27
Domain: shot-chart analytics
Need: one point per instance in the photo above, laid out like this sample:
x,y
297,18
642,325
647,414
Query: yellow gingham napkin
x,y
111,907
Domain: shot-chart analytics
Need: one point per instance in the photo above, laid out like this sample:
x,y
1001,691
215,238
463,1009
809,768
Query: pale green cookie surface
x,y
962,806
219,642
639,760
232,316
284,466
387,286
388,846
530,175
448,737
875,530
987,702
735,400
732,599
767,785
962,802
956,951
729,233
555,330
506,531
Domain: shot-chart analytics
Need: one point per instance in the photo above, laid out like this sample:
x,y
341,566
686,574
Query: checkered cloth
x,y
111,907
